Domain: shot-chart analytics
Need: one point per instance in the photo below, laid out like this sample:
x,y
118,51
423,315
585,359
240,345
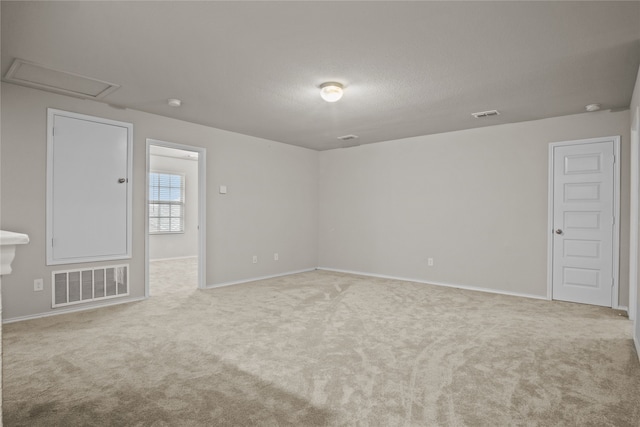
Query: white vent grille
x,y
347,137
489,113
80,286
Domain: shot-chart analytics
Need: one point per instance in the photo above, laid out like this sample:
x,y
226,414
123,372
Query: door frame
x,y
616,213
634,216
202,209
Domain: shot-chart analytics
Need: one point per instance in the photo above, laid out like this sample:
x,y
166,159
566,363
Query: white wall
x,y
635,123
474,200
271,205
178,245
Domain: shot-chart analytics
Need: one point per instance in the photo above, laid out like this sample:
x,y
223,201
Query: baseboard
x,y
74,309
621,308
446,285
173,258
254,279
636,340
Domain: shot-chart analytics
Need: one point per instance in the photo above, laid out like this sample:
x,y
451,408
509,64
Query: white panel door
x,y
583,222
89,189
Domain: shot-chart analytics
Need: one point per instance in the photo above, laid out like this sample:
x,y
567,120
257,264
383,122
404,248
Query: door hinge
x,y
53,131
613,220
613,160
52,242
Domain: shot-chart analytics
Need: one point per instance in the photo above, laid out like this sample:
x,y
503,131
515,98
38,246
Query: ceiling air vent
x,y
348,137
482,114
30,74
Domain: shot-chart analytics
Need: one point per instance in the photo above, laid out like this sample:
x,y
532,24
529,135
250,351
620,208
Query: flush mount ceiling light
x,y
592,107
331,91
173,102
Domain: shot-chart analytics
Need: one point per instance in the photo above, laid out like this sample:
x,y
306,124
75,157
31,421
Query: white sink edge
x,y
11,238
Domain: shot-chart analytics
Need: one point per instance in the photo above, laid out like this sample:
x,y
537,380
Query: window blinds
x,y
166,203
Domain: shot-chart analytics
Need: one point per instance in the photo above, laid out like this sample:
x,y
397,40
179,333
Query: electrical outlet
x,y
38,285
275,256
430,262
255,259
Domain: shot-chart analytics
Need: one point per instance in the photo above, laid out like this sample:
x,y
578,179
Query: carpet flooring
x,y
323,349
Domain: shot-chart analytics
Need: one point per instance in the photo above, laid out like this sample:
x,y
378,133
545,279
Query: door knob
x,y
122,180
558,231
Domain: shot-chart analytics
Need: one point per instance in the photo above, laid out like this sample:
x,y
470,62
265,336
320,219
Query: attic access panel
x,y
38,76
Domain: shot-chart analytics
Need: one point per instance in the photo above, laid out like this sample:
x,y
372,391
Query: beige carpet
x,y
324,349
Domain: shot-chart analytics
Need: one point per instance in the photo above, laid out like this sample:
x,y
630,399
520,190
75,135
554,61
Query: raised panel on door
x,y
583,222
89,200
581,249
581,192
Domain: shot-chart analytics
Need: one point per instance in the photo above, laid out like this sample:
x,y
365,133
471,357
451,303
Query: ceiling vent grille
x,y
348,137
483,114
38,76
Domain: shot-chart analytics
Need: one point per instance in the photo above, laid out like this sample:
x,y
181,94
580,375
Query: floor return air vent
x,y
91,284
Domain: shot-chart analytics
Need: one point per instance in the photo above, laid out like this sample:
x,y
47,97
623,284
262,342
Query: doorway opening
x,y
175,218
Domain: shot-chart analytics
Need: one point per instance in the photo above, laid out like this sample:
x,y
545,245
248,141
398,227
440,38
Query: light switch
x,y
223,189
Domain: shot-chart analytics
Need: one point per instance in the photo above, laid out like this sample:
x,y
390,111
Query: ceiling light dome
x,y
331,91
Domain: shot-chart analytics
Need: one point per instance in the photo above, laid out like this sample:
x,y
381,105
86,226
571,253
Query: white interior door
x,y
584,260
89,189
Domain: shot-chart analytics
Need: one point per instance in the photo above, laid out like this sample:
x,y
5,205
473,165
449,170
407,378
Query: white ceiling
x,y
409,68
157,150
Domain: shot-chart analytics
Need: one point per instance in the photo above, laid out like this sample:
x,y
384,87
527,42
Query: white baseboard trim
x,y
254,279
446,285
636,340
173,258
621,308
71,310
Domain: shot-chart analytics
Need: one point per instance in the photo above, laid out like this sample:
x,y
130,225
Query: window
x,y
166,203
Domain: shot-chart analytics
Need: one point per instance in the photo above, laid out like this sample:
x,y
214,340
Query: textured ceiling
x,y
157,150
409,68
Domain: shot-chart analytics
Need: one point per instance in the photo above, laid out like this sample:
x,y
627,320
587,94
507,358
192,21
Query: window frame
x,y
165,202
